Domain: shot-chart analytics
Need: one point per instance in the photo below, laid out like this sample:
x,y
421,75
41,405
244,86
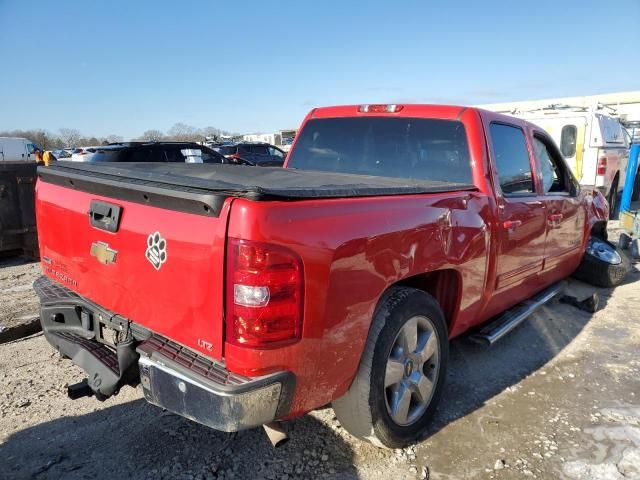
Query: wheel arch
x,y
597,212
445,286
598,229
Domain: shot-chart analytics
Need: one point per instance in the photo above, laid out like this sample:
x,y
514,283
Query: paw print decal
x,y
156,250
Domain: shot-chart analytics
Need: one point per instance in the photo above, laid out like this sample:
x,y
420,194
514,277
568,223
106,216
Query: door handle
x,y
512,224
105,216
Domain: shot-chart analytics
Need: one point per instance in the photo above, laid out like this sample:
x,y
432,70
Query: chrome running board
x,y
510,319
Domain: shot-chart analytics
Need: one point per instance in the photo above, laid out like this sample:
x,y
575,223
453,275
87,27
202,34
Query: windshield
x,y
425,149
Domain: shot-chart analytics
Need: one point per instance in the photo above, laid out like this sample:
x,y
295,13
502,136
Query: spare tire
x,y
603,265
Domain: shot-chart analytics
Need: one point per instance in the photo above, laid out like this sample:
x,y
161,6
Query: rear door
x,y
260,154
521,214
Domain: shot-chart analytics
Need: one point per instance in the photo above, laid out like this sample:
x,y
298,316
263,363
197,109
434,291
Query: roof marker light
x,y
380,108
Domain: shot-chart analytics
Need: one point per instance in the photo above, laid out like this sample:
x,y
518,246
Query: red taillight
x,y
601,168
264,294
389,108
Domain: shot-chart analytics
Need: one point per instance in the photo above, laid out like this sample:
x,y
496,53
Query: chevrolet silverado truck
x,y
239,297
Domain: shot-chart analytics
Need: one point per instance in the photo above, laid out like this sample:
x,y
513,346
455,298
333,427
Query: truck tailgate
x,y
162,268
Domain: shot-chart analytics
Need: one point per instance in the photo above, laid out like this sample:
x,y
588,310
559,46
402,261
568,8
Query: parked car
x,y
82,154
593,143
253,153
189,152
240,296
61,153
15,149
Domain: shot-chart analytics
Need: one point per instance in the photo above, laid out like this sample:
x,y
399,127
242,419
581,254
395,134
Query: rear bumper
x,y
206,393
172,377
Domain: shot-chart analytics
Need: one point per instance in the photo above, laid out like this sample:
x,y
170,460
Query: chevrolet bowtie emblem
x,y
103,253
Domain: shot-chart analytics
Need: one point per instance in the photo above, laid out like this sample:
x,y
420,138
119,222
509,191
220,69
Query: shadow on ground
x,y
477,373
132,441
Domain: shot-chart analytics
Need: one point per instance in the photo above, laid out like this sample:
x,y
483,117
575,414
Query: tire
x,y
365,409
598,272
612,199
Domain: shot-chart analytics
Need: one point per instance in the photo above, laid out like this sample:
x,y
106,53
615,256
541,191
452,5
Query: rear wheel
x,y
401,375
603,265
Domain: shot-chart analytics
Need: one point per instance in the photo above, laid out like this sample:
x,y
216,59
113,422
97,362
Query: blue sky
x,y
122,67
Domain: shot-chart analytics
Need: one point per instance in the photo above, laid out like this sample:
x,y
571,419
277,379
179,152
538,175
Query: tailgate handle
x,y
105,216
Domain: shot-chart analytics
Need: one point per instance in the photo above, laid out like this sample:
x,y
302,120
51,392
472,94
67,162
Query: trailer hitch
x,y
79,390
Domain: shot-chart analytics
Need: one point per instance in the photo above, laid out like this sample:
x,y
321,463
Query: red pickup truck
x,y
239,296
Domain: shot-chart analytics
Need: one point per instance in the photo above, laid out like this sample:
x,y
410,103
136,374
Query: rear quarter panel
x,y
352,251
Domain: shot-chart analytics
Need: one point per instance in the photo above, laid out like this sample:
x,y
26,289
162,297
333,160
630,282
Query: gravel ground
x,y
18,302
558,398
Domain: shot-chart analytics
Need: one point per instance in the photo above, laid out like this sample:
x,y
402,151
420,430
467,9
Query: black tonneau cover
x,y
211,183
264,183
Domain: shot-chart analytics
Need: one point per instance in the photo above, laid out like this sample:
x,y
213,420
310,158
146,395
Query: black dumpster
x,y
17,208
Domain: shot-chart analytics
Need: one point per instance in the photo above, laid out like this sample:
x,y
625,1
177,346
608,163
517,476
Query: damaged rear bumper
x,y
172,377
205,392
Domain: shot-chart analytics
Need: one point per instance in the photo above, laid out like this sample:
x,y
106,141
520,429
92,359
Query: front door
x,y
565,215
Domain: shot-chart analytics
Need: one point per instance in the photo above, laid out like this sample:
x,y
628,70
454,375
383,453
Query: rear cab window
x,y
568,139
415,148
512,161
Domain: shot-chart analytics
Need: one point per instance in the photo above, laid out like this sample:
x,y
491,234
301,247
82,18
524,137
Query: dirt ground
x,y
18,301
557,398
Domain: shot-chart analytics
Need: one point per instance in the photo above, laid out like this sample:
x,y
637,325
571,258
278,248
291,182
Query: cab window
x,y
568,141
275,152
555,178
511,160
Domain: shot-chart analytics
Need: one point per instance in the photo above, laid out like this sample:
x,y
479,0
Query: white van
x,y
14,149
593,143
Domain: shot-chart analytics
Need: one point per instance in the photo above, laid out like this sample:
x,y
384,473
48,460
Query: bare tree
x,y
152,136
113,138
70,136
89,141
185,133
211,132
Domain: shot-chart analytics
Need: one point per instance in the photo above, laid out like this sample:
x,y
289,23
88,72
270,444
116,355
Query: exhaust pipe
x,y
276,433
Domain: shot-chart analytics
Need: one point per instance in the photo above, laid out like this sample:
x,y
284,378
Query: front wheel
x,y
603,265
402,372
